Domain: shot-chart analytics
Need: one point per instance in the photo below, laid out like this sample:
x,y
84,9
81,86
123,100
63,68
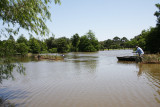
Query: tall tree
x,y
124,39
157,14
50,42
84,43
89,43
153,38
63,45
75,42
22,39
22,48
94,42
108,43
34,45
123,42
116,40
11,38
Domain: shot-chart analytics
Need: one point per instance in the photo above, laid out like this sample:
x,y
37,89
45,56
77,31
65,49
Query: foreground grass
x,y
151,58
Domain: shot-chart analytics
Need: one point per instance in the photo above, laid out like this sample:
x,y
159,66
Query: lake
x,y
84,80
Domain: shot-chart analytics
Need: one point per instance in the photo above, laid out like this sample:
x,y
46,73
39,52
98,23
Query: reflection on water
x,y
152,73
11,94
6,72
85,80
7,68
88,61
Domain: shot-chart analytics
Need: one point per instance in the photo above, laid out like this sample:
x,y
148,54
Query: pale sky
x,y
106,18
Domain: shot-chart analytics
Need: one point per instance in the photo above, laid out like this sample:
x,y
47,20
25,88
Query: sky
x,y
106,18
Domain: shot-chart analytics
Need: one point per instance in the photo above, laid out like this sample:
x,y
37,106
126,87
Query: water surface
x,y
85,80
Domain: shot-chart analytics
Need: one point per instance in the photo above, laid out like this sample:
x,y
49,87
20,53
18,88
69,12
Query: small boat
x,y
128,58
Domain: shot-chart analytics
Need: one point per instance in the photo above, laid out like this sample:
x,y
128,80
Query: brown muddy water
x,y
85,80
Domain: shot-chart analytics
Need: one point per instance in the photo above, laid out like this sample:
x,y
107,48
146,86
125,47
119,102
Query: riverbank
x,y
151,58
147,58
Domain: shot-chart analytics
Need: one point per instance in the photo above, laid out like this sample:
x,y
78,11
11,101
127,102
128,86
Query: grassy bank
x,y
151,58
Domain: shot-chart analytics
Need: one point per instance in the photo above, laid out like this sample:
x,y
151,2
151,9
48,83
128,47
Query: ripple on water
x,y
85,80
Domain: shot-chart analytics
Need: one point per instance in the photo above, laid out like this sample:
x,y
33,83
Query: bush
x,y
53,50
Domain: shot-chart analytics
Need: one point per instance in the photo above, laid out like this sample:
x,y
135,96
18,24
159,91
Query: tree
x,y
101,45
22,39
7,48
43,46
75,42
84,43
123,42
28,14
108,43
63,45
157,14
116,40
94,42
124,39
50,42
34,46
153,36
22,48
89,43
11,38
153,41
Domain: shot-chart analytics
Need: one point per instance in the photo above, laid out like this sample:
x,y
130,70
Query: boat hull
x,y
128,58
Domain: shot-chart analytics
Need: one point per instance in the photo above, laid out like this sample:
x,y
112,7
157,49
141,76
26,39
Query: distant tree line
x,y
115,43
85,43
149,40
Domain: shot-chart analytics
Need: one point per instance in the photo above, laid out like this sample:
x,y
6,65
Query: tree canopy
x,y
28,14
157,14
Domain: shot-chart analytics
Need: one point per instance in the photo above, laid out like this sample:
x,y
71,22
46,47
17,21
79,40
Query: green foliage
x,y
28,14
75,42
108,43
140,40
153,40
6,69
157,14
84,43
115,46
43,46
88,43
53,50
7,48
101,45
63,45
22,48
34,45
123,42
116,43
116,40
22,39
11,38
50,42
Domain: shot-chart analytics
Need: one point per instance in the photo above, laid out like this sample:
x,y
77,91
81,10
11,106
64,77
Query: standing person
x,y
139,51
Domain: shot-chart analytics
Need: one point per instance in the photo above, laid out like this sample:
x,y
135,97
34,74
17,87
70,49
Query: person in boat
x,y
139,51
